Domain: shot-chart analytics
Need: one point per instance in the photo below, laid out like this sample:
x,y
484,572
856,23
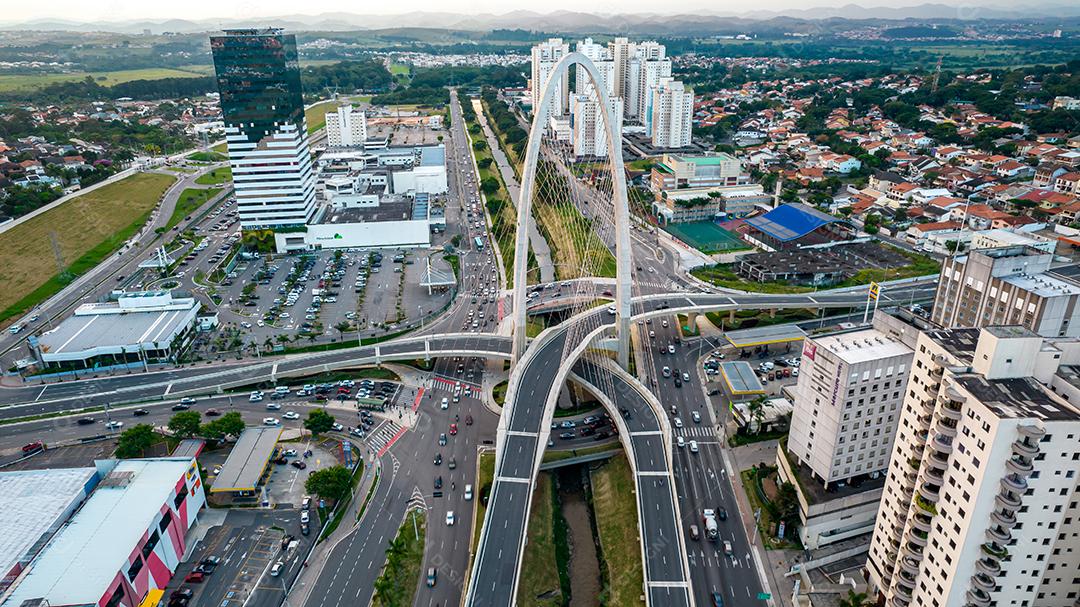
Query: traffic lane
x,y
659,529
519,456
497,562
534,387
670,596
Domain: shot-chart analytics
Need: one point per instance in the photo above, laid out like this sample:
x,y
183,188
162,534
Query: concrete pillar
x,y
731,316
772,313
691,321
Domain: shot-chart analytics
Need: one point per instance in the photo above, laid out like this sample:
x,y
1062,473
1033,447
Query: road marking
x,y
512,479
419,395
38,397
391,442
521,433
167,389
653,473
646,433
667,584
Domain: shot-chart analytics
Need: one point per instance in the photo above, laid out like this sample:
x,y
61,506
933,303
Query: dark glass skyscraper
x,y
258,76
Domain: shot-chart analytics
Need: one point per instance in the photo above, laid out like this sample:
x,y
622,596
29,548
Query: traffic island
x,y
404,561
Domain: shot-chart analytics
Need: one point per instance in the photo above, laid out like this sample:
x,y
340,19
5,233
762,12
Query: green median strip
x,y
397,585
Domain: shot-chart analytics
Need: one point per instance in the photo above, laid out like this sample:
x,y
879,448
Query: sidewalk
x,y
776,562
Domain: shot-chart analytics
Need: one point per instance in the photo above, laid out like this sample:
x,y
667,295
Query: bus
x,y
479,243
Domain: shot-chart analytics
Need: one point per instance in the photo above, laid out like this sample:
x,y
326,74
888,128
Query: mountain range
x,y
569,21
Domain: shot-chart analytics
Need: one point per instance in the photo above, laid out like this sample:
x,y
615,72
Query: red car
x,y
34,447
212,412
195,577
453,429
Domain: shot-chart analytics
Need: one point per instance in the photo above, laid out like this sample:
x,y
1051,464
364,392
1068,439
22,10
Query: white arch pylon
x,y
622,209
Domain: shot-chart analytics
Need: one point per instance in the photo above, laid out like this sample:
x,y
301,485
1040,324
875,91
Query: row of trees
x,y
505,122
364,75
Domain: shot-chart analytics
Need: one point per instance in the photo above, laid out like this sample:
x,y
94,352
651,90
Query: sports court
x,y
706,236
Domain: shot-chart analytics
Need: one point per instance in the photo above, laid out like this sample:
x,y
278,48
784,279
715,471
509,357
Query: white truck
x,y
712,531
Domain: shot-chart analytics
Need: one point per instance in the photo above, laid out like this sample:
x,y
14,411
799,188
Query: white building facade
x,y
669,115
347,127
544,57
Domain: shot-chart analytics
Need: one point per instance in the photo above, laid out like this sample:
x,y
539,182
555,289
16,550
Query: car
x,y
271,421
289,453
671,348
438,459
33,447
717,600
693,446
445,404
452,463
663,323
181,593
695,533
254,398
727,548
140,412
685,376
212,412
721,513
442,439
468,492
195,577
568,424
678,382
273,406
432,577
453,429
277,568
678,422
86,421
694,415
680,441
305,517
290,415
450,518
114,425
567,435
180,407
666,371
211,560
187,400
468,420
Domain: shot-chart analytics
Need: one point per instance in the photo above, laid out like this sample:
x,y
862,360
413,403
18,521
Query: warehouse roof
x,y
791,221
760,336
248,459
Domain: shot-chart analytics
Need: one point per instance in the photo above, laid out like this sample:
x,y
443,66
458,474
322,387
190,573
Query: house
x,y
947,153
1068,183
919,233
1046,173
1011,169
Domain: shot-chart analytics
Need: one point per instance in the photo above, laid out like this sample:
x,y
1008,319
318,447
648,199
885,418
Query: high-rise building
x,y
669,116
258,77
347,127
980,505
621,51
601,58
851,384
1007,285
544,57
589,135
646,66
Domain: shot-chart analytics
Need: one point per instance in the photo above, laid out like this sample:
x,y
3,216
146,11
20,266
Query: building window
x,y
150,544
117,597
180,495
165,520
134,569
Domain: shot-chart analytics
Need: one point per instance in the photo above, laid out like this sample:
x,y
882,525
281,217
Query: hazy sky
x,y
122,10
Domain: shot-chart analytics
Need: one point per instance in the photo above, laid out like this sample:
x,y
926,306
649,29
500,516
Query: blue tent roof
x,y
791,221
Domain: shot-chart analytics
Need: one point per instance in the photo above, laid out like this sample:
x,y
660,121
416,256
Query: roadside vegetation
x,y
615,509
85,230
539,585
396,587
215,177
191,199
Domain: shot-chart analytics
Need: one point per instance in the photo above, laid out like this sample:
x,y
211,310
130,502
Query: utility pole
x,y
937,77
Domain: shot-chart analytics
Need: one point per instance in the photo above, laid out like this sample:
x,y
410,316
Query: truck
x,y
712,531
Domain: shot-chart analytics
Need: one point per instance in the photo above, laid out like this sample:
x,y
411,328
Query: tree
x,y
230,424
787,505
484,162
329,483
135,441
185,424
756,409
855,599
319,421
342,327
489,185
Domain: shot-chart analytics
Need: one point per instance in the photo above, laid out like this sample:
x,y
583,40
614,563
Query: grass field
x,y
190,200
484,476
404,564
316,115
576,250
615,509
539,585
86,229
215,155
214,177
25,82
706,237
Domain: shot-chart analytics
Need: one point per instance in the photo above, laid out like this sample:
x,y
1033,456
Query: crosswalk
x,y
383,436
713,557
695,432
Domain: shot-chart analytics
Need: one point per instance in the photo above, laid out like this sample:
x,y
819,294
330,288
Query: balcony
x,y
920,438
933,474
988,566
896,601
909,565
998,534
983,582
925,505
1033,432
1025,449
1013,482
938,460
911,552
902,591
917,537
942,443
930,492
978,598
1019,465
995,551
1003,518
947,411
917,522
942,428
1007,500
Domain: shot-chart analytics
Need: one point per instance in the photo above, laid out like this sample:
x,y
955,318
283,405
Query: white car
x,y
445,404
680,441
272,406
696,417
671,348
693,446
291,415
450,518
468,492
276,569
255,398
678,422
114,425
271,421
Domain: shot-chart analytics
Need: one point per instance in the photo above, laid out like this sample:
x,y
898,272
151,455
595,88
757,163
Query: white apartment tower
x,y
544,57
847,401
669,116
589,135
621,51
347,127
981,505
